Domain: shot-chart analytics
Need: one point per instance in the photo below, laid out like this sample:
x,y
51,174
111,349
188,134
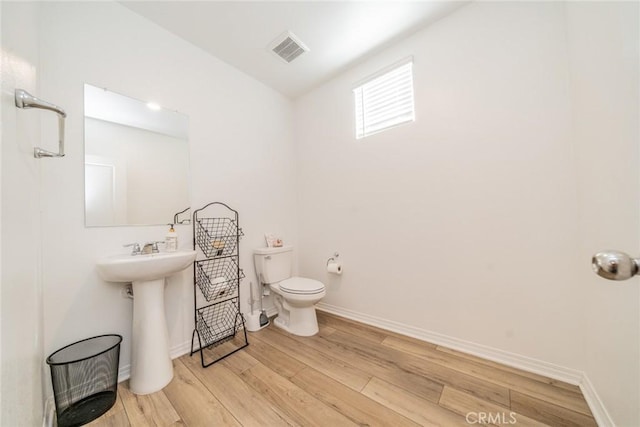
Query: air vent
x,y
288,47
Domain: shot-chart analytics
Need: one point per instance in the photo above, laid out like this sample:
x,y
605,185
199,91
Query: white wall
x,y
22,317
604,51
241,154
468,222
448,223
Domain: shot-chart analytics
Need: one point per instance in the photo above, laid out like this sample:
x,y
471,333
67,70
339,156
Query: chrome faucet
x,y
151,247
135,248
148,248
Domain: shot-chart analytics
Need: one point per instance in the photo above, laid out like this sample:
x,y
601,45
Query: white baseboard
x,y
49,412
271,311
557,372
180,350
599,411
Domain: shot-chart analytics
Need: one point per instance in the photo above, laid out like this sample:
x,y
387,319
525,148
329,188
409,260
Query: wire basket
x,y
218,322
85,379
217,237
218,278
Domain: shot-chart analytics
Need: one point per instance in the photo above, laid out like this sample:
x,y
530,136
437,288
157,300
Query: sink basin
x,y
151,366
130,268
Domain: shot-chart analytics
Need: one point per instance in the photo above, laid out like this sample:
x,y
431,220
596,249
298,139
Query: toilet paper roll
x,y
334,268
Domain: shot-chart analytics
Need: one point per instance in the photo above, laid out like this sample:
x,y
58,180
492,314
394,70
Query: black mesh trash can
x,y
85,379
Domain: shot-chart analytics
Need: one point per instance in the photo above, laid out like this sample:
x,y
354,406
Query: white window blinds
x,y
385,100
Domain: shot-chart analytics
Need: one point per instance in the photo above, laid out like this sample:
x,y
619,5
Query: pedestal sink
x,y
151,367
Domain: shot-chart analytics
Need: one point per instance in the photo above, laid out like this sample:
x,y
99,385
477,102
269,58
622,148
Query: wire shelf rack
x,y
218,278
217,236
219,322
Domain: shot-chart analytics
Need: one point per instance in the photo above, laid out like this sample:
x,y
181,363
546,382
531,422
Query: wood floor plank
x,y
352,404
329,365
540,390
347,374
537,377
419,410
276,360
150,409
114,417
324,330
248,406
421,386
193,401
548,412
346,325
417,366
223,349
466,405
240,361
293,401
352,326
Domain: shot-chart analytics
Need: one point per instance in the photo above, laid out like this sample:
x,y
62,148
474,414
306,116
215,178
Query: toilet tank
x,y
273,265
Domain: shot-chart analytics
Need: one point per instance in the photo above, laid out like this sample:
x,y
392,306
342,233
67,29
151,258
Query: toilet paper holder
x,y
333,258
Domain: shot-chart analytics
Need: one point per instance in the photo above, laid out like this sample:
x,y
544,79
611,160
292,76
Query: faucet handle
x,y
136,248
154,246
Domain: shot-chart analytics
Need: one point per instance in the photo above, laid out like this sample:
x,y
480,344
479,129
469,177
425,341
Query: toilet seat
x,y
301,286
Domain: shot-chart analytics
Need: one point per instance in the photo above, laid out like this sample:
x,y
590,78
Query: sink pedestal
x,y
151,367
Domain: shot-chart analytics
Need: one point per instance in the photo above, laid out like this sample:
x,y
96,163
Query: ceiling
x,y
338,33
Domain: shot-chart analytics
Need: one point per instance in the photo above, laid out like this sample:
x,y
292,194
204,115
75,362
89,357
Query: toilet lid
x,y
301,285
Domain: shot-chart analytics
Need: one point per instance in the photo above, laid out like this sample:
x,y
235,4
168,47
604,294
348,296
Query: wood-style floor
x,y
349,374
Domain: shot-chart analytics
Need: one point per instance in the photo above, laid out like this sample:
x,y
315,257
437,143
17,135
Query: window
x,y
385,99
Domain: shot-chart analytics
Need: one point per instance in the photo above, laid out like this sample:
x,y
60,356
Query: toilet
x,y
295,297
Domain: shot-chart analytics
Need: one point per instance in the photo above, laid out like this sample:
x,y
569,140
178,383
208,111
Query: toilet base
x,y
296,313
306,328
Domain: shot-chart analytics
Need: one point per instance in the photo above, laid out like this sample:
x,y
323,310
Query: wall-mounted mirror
x,y
136,161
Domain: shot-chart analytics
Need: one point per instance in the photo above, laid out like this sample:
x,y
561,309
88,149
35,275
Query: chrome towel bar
x,y
25,100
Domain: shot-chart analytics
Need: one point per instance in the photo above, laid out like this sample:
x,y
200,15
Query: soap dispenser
x,y
171,240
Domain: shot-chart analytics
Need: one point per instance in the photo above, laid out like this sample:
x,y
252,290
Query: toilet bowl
x,y
295,297
295,300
